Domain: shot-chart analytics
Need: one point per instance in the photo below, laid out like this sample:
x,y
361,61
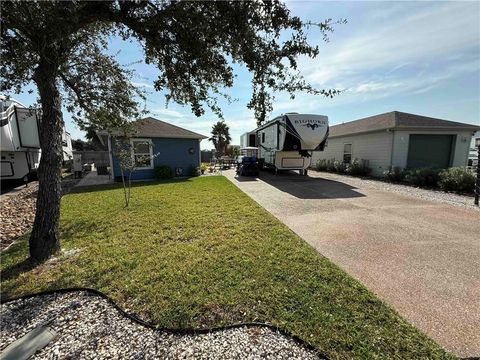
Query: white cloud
x,y
142,84
427,35
163,112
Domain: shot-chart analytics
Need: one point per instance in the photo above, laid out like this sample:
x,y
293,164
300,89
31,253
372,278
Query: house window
x,y
347,153
142,153
263,137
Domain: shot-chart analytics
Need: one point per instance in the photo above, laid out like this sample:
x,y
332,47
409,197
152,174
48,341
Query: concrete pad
x,y
93,179
421,257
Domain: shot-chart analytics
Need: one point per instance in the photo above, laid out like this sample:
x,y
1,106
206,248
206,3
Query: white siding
x,y
374,147
401,139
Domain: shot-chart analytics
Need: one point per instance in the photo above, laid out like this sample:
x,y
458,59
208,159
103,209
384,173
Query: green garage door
x,y
433,151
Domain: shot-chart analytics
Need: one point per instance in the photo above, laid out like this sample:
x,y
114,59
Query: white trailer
x,y
19,141
248,139
287,141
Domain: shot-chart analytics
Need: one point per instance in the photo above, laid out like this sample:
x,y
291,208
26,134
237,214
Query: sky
x,y
417,57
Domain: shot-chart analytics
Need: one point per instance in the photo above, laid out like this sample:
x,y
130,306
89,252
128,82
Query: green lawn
x,y
200,253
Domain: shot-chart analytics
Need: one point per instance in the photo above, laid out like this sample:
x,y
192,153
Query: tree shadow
x,y
18,268
305,187
119,185
246,178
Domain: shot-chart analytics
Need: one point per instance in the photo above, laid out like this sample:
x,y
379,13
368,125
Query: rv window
x,y
142,153
263,137
347,153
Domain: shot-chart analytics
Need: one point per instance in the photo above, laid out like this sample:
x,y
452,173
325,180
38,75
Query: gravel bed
x,y
18,213
89,327
425,194
18,210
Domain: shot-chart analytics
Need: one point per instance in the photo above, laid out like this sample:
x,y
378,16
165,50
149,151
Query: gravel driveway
x,y
89,327
418,250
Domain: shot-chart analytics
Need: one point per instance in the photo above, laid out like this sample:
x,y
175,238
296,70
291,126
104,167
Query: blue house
x,y
157,143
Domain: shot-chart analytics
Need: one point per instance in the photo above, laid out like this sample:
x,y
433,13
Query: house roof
x,y
151,127
397,120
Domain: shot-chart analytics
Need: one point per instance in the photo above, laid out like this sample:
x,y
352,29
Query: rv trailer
x,y
20,146
287,141
248,139
19,141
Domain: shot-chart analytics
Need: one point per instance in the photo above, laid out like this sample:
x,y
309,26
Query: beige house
x,y
399,139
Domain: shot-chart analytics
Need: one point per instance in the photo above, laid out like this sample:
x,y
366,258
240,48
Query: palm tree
x,y
220,137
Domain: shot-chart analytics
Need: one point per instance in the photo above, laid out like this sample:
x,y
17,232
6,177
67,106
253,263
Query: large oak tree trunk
x,y
44,240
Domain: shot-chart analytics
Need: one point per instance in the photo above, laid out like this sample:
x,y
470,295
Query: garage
x,y
430,151
398,139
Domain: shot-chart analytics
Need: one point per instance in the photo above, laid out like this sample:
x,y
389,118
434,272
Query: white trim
x,y
149,141
110,157
346,153
199,153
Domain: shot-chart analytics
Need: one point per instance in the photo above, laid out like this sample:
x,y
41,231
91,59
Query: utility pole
x,y
477,183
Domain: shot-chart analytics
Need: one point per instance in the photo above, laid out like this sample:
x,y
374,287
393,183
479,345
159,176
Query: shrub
x,y
339,167
357,168
321,165
395,174
163,172
204,167
457,179
425,177
193,171
330,166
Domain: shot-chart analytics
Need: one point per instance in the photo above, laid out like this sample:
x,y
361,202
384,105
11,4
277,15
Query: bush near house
x,y
457,179
204,167
163,172
193,171
340,167
395,174
321,165
424,177
356,168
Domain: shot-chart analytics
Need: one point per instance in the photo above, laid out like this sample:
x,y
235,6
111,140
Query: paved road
x,y
422,257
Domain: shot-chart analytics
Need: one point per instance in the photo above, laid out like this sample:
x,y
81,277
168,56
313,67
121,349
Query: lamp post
x,y
477,183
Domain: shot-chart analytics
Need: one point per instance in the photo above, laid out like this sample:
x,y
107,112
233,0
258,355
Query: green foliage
x,y
457,179
201,253
358,168
424,177
194,68
89,145
163,172
204,167
331,166
194,171
339,167
321,165
233,151
220,137
395,174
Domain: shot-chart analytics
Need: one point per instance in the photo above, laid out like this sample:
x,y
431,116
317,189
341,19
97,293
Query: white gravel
x,y
425,194
89,327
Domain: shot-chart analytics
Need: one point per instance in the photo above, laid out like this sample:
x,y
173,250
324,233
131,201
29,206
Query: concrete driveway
x,y
421,257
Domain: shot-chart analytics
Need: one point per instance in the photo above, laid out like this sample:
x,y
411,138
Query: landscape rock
x,y
89,327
